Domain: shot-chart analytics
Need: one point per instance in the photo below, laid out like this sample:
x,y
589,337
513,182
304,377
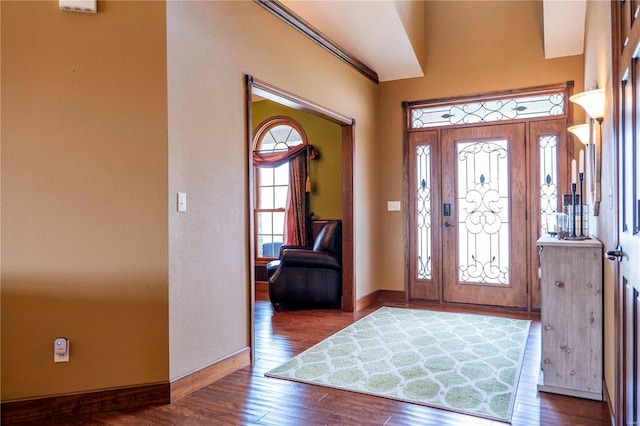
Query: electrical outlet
x,y
61,350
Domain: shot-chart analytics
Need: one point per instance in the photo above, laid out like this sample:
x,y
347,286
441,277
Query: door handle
x,y
449,225
616,254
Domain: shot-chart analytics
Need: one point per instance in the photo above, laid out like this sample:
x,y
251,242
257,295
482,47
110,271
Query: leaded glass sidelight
x,y
548,182
423,211
483,212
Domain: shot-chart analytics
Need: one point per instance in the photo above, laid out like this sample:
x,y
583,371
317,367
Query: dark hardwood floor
x,y
247,397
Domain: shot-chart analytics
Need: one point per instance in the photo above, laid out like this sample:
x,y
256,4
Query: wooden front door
x,y
484,215
470,215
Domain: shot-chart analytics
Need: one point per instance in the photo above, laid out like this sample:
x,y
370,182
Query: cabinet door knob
x,y
589,285
573,373
548,327
559,284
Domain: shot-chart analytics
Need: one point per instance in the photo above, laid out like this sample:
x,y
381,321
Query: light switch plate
x,y
86,6
393,206
182,202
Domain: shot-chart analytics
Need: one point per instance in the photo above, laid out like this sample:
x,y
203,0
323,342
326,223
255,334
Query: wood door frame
x,y
267,91
618,293
407,106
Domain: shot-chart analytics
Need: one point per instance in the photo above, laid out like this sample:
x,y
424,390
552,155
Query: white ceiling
x,y
370,30
373,32
564,27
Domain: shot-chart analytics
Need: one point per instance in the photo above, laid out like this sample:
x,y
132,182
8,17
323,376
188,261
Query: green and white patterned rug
x,y
459,362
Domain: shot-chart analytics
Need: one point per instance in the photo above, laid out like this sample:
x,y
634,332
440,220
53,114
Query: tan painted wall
x,y
325,198
85,232
472,47
84,190
598,72
211,46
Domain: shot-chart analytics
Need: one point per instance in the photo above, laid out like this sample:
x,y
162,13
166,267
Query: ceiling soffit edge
x,y
297,22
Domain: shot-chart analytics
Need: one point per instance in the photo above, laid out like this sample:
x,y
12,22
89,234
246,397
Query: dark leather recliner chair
x,y
307,278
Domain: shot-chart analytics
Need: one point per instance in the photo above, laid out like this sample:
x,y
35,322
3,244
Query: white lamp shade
x,y
592,101
582,131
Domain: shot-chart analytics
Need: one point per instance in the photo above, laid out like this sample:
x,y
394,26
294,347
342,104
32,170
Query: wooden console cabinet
x,y
572,317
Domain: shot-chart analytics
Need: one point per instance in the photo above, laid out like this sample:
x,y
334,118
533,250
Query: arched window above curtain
x,y
280,155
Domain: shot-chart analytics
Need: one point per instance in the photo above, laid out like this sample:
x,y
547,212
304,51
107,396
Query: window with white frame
x,y
272,184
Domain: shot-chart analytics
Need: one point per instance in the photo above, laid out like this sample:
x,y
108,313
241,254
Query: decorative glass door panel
x,y
423,211
424,185
549,175
484,194
483,212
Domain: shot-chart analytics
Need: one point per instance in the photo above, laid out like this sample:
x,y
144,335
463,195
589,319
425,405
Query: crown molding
x,y
281,11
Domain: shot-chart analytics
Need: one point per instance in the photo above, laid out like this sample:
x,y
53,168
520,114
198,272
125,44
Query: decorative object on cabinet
x,y
571,281
577,216
576,209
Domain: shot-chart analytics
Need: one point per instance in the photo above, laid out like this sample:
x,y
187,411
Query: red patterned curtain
x,y
275,159
296,211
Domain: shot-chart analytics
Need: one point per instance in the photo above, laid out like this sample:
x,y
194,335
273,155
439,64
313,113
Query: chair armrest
x,y
289,247
301,258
